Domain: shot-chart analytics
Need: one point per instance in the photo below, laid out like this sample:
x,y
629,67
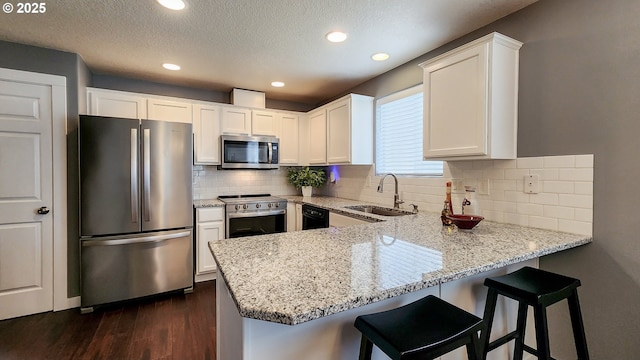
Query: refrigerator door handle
x,y
139,240
134,175
147,173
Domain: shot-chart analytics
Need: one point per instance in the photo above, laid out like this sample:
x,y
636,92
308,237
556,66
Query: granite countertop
x,y
205,203
294,277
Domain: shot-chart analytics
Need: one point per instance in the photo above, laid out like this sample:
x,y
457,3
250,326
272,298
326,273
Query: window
x,y
399,135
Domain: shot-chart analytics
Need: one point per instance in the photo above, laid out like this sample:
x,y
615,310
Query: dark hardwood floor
x,y
171,326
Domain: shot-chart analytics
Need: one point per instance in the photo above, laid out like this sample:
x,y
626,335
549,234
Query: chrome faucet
x,y
396,196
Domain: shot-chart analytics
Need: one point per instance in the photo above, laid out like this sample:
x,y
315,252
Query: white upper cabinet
x,y
263,122
317,141
120,104
235,120
206,134
350,130
471,101
169,110
288,131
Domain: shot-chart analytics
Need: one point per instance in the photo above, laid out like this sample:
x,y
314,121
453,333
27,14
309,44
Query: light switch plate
x,y
532,184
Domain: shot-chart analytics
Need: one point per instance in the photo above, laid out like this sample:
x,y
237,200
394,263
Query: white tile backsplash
x,y
564,203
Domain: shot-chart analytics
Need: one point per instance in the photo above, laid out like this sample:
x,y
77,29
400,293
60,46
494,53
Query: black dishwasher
x,y
314,217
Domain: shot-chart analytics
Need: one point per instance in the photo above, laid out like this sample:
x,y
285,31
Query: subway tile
x,y
559,161
530,209
584,161
576,227
558,187
576,174
505,206
515,174
583,187
529,163
517,219
577,201
517,196
545,174
505,164
544,199
559,212
585,215
542,222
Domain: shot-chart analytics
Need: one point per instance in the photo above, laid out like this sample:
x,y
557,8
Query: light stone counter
x,y
292,278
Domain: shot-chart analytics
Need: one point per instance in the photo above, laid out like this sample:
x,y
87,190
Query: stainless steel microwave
x,y
249,152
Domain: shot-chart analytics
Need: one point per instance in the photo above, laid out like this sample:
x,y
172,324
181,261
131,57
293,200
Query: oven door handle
x,y
257,214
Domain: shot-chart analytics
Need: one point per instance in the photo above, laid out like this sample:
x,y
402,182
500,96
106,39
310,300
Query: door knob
x,y
43,210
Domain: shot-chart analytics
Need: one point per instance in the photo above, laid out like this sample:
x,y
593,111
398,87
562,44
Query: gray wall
x,y
29,58
579,86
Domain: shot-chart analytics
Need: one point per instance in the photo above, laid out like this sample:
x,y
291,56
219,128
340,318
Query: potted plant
x,y
305,178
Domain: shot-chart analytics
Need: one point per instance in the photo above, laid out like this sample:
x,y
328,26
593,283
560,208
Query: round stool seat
x,y
427,328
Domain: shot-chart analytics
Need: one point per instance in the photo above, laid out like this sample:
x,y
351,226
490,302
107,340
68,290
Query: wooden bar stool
x,y
424,329
539,289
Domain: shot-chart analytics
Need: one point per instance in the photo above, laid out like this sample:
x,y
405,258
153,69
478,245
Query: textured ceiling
x,y
222,44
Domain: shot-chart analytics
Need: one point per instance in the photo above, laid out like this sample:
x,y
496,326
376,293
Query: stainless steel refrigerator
x,y
135,208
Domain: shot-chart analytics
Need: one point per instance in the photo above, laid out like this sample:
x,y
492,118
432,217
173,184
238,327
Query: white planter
x,y
306,191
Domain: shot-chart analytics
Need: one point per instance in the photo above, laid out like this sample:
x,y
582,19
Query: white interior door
x,y
26,185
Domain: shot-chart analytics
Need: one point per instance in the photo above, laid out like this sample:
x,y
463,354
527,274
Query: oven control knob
x,y
244,206
237,207
269,205
276,205
257,206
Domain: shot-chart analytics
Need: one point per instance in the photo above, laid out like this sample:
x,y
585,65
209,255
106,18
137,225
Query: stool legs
x,y
542,332
489,311
366,348
520,329
578,327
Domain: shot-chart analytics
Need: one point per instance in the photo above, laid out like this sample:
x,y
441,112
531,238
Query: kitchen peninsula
x,y
295,295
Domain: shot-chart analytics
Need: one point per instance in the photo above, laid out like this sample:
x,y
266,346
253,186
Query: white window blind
x,y
399,135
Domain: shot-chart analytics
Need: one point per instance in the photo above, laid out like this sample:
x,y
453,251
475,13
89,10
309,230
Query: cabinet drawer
x,y
210,214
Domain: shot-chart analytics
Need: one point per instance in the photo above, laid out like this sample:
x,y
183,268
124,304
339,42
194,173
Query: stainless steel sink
x,y
379,210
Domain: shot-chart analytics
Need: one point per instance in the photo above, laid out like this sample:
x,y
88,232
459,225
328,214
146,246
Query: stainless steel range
x,y
257,214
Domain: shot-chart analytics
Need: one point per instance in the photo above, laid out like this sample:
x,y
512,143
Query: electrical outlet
x,y
532,184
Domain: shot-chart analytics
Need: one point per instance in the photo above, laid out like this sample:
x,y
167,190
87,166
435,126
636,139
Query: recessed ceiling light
x,y
172,4
380,56
277,84
173,67
336,36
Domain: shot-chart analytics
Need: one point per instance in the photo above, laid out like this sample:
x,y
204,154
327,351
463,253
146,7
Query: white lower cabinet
x,y
209,227
291,217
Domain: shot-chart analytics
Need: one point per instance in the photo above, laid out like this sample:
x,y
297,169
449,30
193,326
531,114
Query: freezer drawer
x,y
126,267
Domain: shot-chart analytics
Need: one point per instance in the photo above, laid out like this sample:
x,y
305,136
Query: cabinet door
x,y
169,110
289,139
235,121
298,217
263,123
318,137
116,104
291,217
206,131
208,231
455,105
339,132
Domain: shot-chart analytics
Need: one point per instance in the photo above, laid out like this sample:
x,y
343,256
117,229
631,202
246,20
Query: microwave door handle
x,y
270,153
